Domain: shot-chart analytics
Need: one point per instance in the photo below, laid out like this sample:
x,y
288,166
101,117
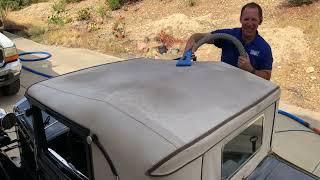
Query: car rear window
x,y
238,150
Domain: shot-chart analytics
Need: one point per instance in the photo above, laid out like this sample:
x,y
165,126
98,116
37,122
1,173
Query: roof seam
x,y
176,146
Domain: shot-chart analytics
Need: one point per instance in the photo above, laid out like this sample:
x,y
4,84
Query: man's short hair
x,y
253,5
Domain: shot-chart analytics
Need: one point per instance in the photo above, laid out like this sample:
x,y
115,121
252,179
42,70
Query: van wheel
x,y
12,88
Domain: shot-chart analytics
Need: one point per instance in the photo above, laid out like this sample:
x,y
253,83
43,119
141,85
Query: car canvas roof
x,y
180,104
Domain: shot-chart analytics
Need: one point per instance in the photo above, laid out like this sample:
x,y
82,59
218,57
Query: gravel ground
x,y
293,33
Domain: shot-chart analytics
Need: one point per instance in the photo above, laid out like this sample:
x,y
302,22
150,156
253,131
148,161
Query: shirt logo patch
x,y
255,53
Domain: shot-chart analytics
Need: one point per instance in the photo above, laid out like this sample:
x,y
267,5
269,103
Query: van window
x,y
238,150
65,145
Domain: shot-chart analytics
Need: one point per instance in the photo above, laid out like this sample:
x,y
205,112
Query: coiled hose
x,y
46,57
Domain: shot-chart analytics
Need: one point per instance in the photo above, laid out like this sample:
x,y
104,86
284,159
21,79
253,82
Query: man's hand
x,y
244,63
192,41
190,45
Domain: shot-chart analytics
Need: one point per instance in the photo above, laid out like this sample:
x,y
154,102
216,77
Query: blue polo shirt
x,y
259,51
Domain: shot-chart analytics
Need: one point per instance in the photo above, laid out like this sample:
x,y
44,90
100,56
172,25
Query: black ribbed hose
x,y
209,39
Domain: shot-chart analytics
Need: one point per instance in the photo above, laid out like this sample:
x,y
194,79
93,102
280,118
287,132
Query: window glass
x,y
241,148
65,145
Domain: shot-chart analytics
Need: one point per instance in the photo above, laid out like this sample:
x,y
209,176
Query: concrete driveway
x,y
297,144
63,60
292,141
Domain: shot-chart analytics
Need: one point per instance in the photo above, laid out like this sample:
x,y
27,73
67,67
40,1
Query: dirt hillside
x,y
139,29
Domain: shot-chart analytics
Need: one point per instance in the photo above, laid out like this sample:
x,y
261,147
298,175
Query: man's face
x,y
250,21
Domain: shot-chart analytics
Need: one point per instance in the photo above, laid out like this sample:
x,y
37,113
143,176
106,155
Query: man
x,y
260,57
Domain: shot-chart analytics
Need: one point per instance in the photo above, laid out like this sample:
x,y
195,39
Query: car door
x,y
61,148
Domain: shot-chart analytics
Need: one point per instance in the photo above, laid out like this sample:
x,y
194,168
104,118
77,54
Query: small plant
x,y
59,6
9,4
101,10
118,28
300,2
114,4
84,14
56,19
93,27
3,14
191,2
68,20
37,31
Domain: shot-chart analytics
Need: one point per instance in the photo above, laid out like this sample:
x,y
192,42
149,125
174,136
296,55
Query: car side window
x,y
65,145
238,150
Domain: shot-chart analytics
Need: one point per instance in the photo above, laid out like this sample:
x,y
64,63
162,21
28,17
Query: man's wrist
x,y
253,71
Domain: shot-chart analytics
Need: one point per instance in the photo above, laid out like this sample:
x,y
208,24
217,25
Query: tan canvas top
x,y
178,103
144,111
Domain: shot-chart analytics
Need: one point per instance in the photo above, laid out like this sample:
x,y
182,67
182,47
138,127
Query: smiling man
x,y
259,59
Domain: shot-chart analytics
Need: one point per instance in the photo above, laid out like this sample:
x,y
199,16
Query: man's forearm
x,y
194,39
265,74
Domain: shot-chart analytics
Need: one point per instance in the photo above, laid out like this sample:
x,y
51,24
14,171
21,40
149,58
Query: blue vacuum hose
x,y
46,57
299,120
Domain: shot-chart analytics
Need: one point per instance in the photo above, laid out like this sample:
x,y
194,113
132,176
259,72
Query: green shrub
x,y
84,14
56,19
101,10
60,6
9,4
68,20
114,4
93,27
300,2
3,14
36,31
17,4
